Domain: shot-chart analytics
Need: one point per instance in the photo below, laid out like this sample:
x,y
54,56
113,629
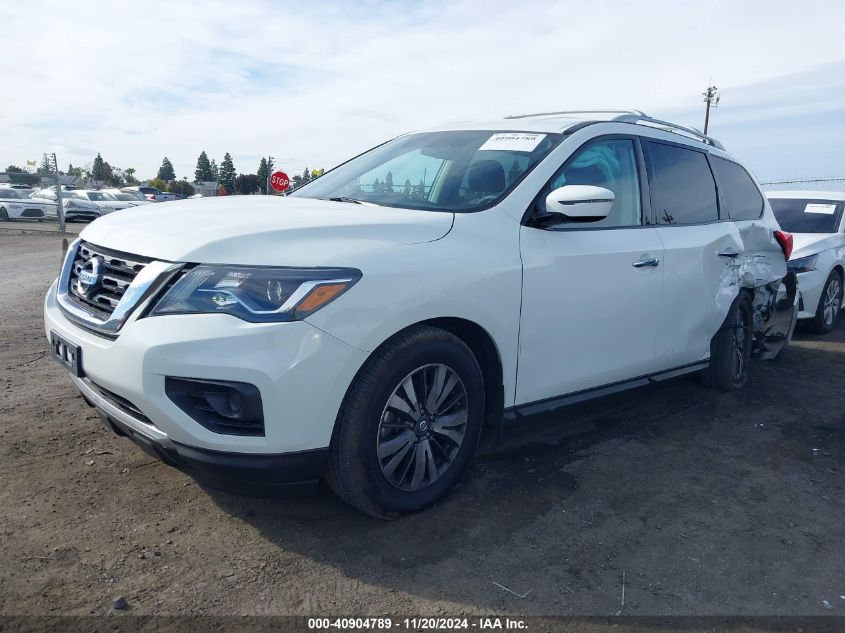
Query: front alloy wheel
x,y
409,423
422,427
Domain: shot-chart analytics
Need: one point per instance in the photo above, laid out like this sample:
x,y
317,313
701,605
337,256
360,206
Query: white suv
x,y
366,327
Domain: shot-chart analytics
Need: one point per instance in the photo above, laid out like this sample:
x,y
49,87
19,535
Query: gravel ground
x,y
705,502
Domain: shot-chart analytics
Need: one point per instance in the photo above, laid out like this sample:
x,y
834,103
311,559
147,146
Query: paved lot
x,y
708,503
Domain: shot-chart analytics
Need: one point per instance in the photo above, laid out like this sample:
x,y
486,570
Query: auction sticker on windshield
x,y
815,207
512,142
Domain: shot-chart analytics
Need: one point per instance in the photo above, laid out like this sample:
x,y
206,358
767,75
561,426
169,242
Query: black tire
x,y
355,470
4,215
826,315
730,349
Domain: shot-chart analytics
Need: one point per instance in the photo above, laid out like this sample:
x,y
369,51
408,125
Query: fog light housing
x,y
221,406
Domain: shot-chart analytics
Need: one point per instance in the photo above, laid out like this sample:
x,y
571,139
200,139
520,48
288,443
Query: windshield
x,y
438,171
125,197
100,196
807,215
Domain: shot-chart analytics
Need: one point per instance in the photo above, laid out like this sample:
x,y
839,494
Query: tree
x,y
74,171
166,171
215,173
98,171
388,182
159,184
227,173
203,171
182,187
247,184
19,176
46,166
129,176
306,176
265,170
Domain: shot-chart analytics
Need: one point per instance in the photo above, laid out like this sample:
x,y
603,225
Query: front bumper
x,y
301,372
242,473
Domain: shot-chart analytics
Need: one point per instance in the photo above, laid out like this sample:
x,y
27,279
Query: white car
x,y
106,202
134,199
15,204
366,327
75,208
815,220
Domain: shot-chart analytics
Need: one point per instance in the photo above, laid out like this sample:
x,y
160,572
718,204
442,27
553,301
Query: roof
x,y
838,196
551,122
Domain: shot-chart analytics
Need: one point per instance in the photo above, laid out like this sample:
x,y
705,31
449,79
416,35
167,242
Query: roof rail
x,y
623,112
643,119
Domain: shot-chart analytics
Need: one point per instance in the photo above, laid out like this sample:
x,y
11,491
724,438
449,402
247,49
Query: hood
x,y
806,244
81,204
263,230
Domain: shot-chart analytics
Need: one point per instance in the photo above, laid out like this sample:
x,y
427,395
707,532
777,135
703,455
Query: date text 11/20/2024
x,y
417,624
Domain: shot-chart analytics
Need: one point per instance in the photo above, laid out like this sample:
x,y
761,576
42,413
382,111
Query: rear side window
x,y
682,186
740,195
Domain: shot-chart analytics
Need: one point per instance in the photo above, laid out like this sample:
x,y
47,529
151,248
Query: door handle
x,y
728,254
646,262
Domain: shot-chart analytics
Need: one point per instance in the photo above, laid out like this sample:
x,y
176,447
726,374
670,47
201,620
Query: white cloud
x,y
313,83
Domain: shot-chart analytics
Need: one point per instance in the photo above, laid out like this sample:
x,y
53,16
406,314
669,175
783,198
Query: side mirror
x,y
580,202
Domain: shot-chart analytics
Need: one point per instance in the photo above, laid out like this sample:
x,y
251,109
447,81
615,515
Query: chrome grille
x,y
119,272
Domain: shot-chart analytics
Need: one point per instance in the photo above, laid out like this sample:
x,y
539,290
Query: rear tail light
x,y
785,241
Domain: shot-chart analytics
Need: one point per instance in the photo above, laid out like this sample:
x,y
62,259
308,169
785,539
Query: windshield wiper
x,y
344,199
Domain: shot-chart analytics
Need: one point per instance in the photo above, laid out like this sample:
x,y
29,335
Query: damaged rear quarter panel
x,y
762,270
702,282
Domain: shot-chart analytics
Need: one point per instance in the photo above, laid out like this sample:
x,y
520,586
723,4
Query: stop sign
x,y
279,181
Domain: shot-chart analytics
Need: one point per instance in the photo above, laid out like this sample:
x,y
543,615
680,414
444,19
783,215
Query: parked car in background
x,y
105,201
365,332
15,204
75,209
151,193
815,219
135,198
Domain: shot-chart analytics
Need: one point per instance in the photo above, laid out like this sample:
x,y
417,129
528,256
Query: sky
x,y
313,83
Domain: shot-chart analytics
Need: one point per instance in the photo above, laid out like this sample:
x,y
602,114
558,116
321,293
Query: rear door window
x,y
682,187
740,196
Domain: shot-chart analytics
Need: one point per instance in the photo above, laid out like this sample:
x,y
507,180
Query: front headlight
x,y
256,293
802,265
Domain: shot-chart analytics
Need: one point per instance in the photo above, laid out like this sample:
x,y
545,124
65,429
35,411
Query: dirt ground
x,y
706,502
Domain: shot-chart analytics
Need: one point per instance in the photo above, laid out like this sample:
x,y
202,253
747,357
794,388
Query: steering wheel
x,y
485,199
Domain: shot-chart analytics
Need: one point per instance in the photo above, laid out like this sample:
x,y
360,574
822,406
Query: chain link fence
x,y
805,184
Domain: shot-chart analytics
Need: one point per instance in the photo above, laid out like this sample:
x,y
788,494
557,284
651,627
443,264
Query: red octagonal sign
x,y
279,181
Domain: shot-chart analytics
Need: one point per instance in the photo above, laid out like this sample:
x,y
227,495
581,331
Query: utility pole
x,y
711,98
59,208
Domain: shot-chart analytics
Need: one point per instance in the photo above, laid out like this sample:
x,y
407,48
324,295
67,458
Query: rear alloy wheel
x,y
4,215
730,349
829,305
409,423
